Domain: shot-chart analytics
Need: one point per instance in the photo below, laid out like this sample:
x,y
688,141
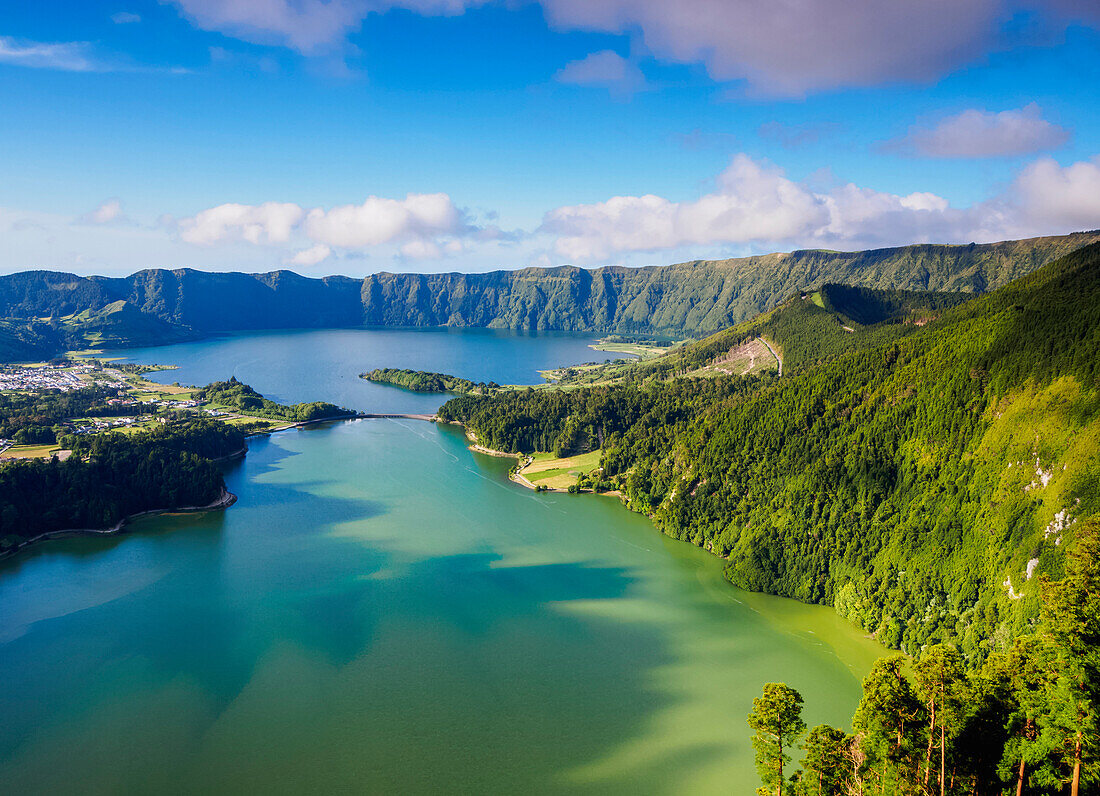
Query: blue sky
x,y
353,136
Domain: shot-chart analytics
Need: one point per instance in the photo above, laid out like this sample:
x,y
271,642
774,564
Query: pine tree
x,y
776,720
825,762
941,683
890,720
1071,609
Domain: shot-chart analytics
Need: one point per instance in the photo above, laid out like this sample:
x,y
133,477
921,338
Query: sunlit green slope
x,y
922,485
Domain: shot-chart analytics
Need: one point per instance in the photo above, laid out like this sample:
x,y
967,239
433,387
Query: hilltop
x,y
810,327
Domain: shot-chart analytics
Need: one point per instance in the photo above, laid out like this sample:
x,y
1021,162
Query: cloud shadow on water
x,y
442,673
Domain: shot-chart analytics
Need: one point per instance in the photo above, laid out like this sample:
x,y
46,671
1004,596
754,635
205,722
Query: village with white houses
x,y
49,377
140,403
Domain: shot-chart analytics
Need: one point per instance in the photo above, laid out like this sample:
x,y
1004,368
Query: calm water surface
x,y
383,611
325,364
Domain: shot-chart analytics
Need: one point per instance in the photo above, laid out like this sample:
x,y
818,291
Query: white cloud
x,y
125,18
52,241
604,69
756,204
271,222
421,250
1061,198
981,134
311,256
72,56
922,200
64,56
420,226
791,50
778,48
311,27
753,207
108,211
379,220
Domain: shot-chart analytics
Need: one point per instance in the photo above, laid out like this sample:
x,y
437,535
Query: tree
x,y
890,719
776,720
825,761
941,682
1026,672
1071,609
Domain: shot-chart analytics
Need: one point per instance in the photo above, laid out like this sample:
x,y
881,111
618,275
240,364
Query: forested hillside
x,y
807,329
28,341
689,298
111,476
922,485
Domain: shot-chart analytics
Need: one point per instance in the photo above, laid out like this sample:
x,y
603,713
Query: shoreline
x,y
516,473
300,424
224,501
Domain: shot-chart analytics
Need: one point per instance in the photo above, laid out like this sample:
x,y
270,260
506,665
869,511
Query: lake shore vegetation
x,y
920,486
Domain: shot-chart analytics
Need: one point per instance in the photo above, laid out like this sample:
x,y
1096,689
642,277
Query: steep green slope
x,y
819,326
807,329
120,323
920,486
688,298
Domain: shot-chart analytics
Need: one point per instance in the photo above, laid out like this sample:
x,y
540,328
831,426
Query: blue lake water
x,y
325,364
383,611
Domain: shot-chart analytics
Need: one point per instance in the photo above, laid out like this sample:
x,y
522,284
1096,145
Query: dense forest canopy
x,y
111,476
47,311
921,485
426,381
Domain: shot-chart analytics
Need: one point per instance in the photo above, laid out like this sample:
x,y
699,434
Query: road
x,y
777,359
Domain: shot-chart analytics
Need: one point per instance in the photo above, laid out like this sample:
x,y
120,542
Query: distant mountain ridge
x,y
691,298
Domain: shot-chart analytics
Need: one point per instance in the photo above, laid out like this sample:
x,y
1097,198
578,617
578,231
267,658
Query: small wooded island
x,y
425,381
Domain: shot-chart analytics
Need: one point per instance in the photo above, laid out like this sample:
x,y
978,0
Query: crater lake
x,y
383,610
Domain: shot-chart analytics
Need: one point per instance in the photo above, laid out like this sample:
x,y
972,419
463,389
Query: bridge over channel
x,y
429,418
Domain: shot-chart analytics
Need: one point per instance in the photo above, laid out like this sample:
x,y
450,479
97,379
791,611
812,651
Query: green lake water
x,y
383,611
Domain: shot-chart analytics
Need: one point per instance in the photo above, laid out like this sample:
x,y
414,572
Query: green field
x,y
29,451
640,350
546,470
